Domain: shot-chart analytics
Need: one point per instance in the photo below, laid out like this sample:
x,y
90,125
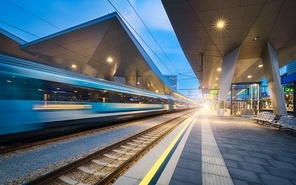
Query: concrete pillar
x,y
272,74
228,67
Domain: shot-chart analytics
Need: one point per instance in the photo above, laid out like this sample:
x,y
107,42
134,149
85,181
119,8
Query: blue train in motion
x,y
35,96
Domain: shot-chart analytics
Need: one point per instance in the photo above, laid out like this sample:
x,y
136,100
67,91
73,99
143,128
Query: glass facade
x,y
244,98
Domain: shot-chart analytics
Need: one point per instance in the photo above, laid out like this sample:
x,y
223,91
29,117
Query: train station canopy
x,y
103,48
210,29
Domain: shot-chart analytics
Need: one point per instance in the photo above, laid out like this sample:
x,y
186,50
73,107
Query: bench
x,y
259,115
266,118
282,122
286,122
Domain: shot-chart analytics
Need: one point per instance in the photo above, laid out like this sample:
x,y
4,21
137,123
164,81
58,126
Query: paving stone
x,y
239,182
231,163
222,145
192,149
279,172
194,141
280,164
252,167
189,164
268,179
284,151
186,175
191,156
178,182
284,158
263,151
293,181
244,175
223,149
241,147
259,155
256,160
253,154
232,156
237,152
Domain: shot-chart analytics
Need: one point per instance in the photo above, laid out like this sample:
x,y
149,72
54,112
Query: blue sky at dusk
x,y
33,19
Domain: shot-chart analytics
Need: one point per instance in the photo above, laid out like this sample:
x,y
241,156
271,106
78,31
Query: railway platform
x,y
212,149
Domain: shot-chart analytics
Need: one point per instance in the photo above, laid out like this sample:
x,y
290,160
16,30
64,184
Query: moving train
x,y
34,96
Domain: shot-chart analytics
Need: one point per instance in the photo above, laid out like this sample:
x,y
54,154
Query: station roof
x,y
248,23
10,45
103,48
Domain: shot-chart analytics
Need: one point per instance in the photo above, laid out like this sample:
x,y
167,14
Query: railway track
x,y
106,165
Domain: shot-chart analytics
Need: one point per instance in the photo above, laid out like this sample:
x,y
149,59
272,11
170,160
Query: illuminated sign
x,y
288,89
213,91
210,91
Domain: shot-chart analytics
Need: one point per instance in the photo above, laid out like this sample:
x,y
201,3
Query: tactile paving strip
x,y
214,170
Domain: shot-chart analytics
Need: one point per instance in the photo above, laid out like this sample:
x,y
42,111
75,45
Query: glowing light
x,y
109,59
261,65
217,78
74,66
61,107
250,76
219,69
220,24
256,38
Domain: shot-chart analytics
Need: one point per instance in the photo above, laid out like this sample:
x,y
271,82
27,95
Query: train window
x,y
20,88
17,88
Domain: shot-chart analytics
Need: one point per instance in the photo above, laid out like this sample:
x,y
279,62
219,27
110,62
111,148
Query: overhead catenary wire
x,y
113,7
60,29
152,35
48,40
32,14
156,43
145,41
19,29
139,35
81,54
58,45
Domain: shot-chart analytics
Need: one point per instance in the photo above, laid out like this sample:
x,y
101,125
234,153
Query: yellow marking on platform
x,y
160,160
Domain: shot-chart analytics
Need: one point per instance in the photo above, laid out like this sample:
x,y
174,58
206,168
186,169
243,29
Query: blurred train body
x,y
35,96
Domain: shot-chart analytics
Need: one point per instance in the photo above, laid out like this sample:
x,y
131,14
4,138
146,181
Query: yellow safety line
x,y
160,160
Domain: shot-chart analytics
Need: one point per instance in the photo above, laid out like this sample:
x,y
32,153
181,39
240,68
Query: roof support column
x,y
228,67
272,73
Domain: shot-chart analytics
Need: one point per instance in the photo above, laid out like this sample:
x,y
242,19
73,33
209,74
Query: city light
x,y
109,59
220,24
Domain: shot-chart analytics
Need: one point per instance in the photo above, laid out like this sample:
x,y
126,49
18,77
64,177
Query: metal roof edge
x,y
68,30
12,36
144,53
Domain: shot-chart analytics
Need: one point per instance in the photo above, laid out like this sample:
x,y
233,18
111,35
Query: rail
x,y
104,166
